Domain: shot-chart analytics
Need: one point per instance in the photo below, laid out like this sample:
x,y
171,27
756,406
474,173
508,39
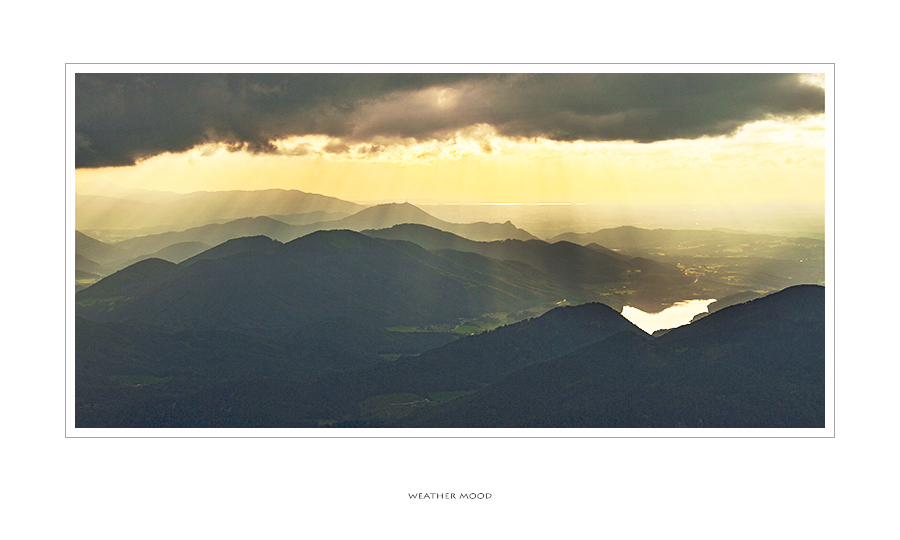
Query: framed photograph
x,y
450,250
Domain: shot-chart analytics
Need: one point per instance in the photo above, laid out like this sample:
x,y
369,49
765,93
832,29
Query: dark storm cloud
x,y
121,118
649,107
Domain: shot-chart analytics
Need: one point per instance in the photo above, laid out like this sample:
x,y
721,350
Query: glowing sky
x,y
597,138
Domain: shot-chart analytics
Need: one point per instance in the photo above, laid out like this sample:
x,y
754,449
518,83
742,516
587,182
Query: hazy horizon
x,y
547,219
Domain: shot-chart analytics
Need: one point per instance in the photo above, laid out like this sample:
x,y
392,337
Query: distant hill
x,y
212,234
306,218
83,264
634,237
173,253
797,309
95,250
568,263
429,237
142,247
389,215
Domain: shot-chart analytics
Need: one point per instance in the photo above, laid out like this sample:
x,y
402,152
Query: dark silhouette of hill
x,y
760,364
133,281
321,275
244,245
795,311
387,215
429,237
470,362
732,300
142,247
230,398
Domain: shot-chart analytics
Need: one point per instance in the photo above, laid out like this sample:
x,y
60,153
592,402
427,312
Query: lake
x,y
676,315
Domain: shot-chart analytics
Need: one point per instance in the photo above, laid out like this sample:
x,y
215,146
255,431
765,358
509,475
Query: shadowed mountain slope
x,y
471,362
321,275
759,364
83,264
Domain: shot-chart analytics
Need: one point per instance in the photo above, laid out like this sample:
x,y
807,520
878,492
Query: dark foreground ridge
x,y
758,364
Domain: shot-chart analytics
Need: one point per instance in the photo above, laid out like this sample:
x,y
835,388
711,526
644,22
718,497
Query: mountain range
x,y
191,241
570,264
260,285
388,317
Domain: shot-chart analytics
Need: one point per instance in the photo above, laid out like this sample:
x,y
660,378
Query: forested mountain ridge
x,y
759,364
321,275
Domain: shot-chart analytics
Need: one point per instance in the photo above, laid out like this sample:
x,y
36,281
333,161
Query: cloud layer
x,y
122,118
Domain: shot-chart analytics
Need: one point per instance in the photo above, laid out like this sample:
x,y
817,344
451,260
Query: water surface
x,y
673,316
